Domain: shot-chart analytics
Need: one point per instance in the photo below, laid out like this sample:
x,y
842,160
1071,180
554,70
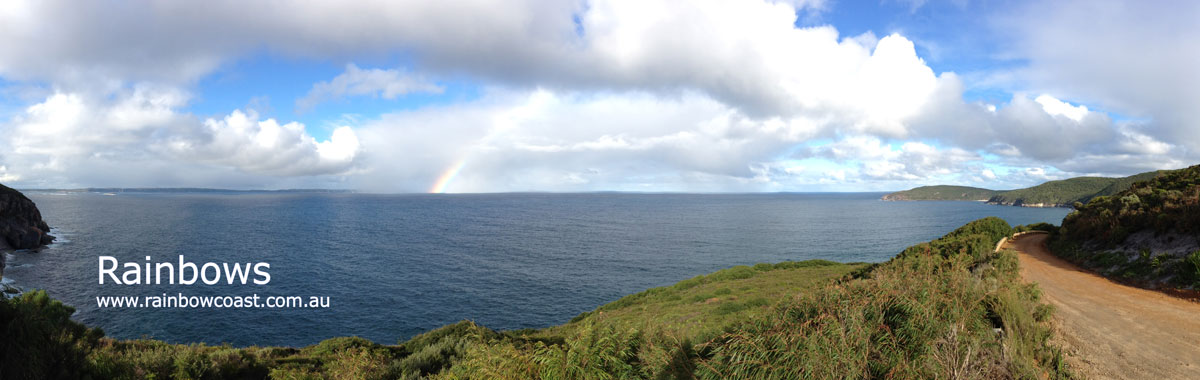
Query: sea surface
x,y
397,265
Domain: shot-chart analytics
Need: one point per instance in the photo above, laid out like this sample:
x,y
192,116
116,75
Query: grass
x,y
701,307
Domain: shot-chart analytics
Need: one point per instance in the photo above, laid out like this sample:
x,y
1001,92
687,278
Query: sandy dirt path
x,y
1109,330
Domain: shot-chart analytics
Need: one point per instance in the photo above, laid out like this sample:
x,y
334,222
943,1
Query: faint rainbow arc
x,y
500,124
444,180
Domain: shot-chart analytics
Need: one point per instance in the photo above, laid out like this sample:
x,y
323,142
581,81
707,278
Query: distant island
x,y
1061,193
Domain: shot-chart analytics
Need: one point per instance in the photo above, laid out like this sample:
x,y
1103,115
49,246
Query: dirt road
x,y
1113,331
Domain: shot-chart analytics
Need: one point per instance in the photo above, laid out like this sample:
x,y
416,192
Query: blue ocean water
x,y
397,265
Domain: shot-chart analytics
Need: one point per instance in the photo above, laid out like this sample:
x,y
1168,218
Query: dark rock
x,y
21,224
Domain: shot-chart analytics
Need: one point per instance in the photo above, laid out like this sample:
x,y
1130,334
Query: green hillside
x,y
933,311
1055,193
942,193
1061,193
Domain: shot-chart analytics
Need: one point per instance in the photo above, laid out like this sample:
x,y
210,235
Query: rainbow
x,y
443,181
501,123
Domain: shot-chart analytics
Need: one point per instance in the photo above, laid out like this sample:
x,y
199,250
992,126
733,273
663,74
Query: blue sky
x,y
534,95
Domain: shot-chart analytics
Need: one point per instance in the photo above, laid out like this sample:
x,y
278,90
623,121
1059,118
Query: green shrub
x,y
38,339
190,363
1193,264
333,346
288,373
1047,227
595,353
736,273
359,364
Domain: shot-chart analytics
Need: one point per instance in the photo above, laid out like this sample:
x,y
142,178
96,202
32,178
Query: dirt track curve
x,y
1109,330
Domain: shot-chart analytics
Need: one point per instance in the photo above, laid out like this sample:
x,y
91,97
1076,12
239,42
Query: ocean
x,y
393,266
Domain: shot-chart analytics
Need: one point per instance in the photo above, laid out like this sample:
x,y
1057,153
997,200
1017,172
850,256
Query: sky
x,y
596,95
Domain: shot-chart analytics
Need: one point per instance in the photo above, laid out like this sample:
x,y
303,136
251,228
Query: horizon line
x,y
357,191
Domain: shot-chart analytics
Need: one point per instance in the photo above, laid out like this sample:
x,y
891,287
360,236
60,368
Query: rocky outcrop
x,y
1021,203
21,224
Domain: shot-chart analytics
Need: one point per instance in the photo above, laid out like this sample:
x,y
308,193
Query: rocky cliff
x,y
21,225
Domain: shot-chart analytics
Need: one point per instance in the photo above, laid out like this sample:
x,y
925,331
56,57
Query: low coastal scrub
x,y
1147,235
949,308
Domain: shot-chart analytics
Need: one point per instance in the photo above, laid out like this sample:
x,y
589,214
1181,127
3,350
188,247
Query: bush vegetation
x,y
1165,206
1061,192
1167,203
949,308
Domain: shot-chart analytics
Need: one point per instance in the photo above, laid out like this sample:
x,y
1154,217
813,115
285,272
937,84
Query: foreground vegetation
x,y
949,308
1163,213
1061,193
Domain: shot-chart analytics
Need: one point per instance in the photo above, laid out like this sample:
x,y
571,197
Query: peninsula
x,y
1060,193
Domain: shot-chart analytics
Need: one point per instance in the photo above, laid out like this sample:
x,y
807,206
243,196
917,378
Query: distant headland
x,y
1060,193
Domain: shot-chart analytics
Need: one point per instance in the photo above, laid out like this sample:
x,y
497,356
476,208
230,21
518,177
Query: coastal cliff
x,y
1021,203
21,224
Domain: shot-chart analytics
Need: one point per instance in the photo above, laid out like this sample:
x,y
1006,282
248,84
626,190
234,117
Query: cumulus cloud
x,y
1106,53
141,41
748,54
1042,130
1057,107
244,142
75,138
988,174
909,161
583,95
387,84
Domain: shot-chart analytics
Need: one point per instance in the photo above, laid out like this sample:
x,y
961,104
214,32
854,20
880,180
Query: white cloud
x,y
5,176
1057,107
532,140
135,137
685,95
910,161
747,54
988,174
1138,143
1038,173
1107,54
244,142
387,84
